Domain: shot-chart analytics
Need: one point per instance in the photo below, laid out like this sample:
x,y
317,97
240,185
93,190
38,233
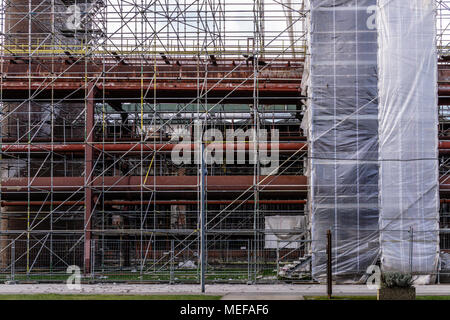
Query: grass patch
x,y
178,276
433,298
104,297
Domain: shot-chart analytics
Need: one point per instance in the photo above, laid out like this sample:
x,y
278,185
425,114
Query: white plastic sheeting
x,y
372,122
284,231
408,135
342,128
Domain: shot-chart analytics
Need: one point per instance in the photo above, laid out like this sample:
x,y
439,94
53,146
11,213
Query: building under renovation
x,y
180,140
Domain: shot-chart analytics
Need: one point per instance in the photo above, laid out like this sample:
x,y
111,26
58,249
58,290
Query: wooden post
x,y
329,266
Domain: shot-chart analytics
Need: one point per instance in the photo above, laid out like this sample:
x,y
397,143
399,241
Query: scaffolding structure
x,y
109,87
96,97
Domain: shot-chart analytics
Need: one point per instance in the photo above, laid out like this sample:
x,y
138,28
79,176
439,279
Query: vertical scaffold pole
x,y
202,219
411,248
329,266
13,259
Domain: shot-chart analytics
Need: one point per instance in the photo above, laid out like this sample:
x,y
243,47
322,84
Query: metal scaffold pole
x,y
203,218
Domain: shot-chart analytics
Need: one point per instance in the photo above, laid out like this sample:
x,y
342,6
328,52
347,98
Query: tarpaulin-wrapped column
x,y
342,128
408,118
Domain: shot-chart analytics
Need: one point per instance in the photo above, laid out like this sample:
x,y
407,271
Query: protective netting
x,y
342,129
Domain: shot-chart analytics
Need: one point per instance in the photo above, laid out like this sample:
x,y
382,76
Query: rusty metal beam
x,y
40,203
165,183
444,147
139,202
278,82
137,147
295,183
157,202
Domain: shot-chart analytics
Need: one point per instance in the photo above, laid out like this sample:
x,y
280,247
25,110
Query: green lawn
x,y
104,297
178,276
371,298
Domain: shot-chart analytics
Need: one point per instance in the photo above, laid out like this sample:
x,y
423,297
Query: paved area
x,y
262,296
225,289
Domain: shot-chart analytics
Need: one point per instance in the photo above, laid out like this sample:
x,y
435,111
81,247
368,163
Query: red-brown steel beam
x,y
40,203
269,93
138,202
233,82
444,147
444,184
168,183
444,144
119,140
177,83
157,202
136,147
164,183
